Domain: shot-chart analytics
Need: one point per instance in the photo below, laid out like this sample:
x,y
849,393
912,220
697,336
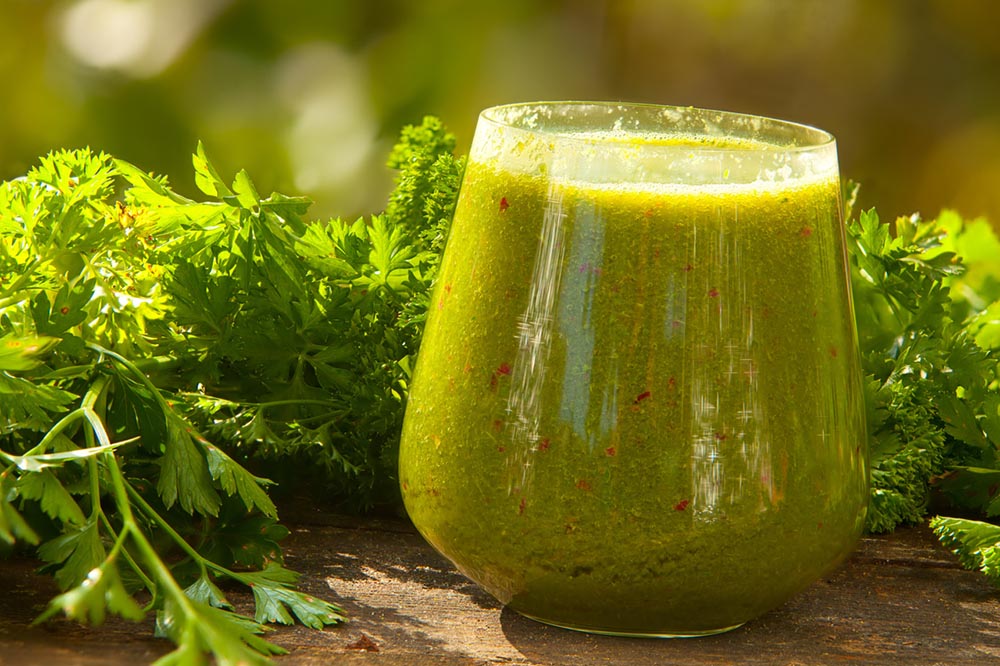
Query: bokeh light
x,y
308,95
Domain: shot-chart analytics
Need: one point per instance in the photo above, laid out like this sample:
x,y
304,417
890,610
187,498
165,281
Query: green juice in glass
x,y
637,408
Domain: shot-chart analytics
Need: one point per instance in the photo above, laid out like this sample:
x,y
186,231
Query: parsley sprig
x,y
150,344
927,300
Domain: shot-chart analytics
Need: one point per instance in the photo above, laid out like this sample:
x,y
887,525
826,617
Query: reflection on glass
x,y
534,338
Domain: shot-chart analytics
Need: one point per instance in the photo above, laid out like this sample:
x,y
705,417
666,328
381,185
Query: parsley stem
x,y
55,431
89,399
135,566
14,294
150,512
139,374
93,395
157,363
895,307
281,403
161,572
16,298
154,515
203,562
95,484
84,411
323,417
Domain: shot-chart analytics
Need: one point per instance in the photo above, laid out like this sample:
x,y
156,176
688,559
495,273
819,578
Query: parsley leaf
x,y
100,591
198,627
976,543
78,551
53,498
236,480
272,589
184,474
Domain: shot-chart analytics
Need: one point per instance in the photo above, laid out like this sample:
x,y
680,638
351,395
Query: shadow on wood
x,y
901,599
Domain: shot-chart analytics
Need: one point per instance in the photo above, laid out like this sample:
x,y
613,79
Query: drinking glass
x,y
637,404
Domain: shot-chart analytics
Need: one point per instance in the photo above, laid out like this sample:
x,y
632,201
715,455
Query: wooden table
x,y
901,599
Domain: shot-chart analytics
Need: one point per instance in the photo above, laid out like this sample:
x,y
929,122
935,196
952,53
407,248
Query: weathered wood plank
x,y
901,599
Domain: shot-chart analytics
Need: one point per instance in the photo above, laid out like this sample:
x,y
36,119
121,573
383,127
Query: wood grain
x,y
901,599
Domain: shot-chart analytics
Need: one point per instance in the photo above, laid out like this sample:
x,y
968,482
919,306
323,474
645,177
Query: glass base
x,y
631,634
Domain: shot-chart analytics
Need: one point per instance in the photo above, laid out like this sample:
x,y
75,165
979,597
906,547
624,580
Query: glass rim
x,y
521,117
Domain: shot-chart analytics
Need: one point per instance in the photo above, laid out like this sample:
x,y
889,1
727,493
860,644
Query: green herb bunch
x,y
150,343
927,304
301,335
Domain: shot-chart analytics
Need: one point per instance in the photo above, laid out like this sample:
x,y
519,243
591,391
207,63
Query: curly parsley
x,y
927,300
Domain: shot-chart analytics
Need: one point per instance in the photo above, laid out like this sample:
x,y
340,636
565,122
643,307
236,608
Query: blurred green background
x,y
308,95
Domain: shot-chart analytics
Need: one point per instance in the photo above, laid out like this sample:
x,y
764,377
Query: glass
x,y
637,406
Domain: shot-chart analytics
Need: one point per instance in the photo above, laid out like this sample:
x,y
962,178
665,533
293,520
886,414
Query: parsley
x,y
151,344
305,334
976,543
927,299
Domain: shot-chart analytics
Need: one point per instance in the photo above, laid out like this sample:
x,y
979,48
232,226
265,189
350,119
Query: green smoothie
x,y
636,407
